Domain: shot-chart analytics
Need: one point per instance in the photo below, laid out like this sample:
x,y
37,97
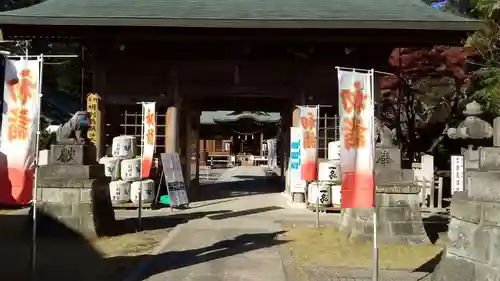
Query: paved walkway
x,y
238,238
349,274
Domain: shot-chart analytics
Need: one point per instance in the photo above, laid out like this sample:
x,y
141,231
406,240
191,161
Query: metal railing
x,y
205,172
131,126
329,131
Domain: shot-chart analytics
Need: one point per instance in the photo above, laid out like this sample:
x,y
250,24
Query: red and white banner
x,y
19,126
357,138
148,137
309,149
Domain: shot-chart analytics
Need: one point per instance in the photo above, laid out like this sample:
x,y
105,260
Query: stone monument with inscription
x,y
396,197
72,187
473,250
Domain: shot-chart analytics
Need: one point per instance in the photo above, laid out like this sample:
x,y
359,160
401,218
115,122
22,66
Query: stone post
x,y
496,132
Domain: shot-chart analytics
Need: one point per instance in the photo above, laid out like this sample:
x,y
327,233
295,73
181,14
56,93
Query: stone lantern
x,y
472,127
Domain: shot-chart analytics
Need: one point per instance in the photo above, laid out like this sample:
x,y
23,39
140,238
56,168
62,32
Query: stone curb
x,y
287,263
138,270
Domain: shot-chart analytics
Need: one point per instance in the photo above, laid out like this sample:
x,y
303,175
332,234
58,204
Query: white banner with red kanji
x,y
148,137
19,126
357,138
309,139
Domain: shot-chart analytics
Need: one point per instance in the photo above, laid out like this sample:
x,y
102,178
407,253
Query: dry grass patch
x,y
327,247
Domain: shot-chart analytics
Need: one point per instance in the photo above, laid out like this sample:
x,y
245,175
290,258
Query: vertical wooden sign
x,y
94,131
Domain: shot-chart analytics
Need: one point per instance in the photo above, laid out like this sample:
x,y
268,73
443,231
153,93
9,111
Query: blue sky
x,y
439,4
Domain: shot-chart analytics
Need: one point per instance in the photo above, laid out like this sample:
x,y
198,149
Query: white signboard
x,y
174,179
457,173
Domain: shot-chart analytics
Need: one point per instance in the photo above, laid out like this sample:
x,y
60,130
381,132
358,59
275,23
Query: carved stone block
x,y
387,158
489,158
66,154
483,185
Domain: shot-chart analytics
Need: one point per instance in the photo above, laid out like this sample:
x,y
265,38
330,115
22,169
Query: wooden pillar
x,y
296,117
202,151
196,139
99,88
172,116
194,148
185,148
285,142
172,129
260,144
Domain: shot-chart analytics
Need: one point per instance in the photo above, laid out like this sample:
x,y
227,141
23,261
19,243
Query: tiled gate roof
x,y
335,14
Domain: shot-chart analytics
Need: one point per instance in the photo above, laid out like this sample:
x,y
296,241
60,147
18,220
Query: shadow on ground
x,y
431,264
240,244
62,254
436,227
243,186
243,213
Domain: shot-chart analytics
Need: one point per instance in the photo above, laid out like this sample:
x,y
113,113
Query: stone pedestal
x,y
74,194
473,250
71,154
398,217
397,200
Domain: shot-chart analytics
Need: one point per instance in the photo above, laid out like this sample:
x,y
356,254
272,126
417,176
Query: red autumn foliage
x,y
444,65
439,61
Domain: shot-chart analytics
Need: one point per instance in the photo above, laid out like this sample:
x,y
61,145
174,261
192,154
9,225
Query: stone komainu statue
x,y
384,135
75,130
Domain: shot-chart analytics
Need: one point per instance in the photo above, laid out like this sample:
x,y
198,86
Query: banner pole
x,y
375,246
317,166
143,143
35,178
